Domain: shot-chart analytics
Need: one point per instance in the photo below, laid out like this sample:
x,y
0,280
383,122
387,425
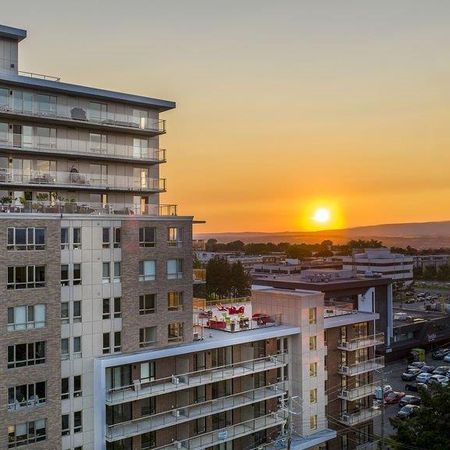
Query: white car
x,y
439,379
424,377
447,358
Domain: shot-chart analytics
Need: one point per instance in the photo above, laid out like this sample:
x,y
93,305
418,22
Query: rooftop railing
x,y
362,342
41,76
57,145
157,421
86,115
87,208
160,386
85,180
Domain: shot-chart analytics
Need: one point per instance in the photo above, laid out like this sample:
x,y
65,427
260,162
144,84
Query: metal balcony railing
x,y
358,417
80,114
160,386
41,76
107,150
9,205
194,411
362,367
230,432
357,392
362,342
75,179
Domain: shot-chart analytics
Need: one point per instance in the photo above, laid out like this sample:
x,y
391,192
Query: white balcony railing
x,y
71,180
184,381
362,342
362,367
79,147
79,114
191,412
359,417
358,392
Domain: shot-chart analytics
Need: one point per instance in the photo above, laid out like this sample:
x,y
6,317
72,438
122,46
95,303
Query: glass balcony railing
x,y
71,180
362,367
61,146
178,382
362,342
356,393
230,432
9,205
358,417
194,411
85,115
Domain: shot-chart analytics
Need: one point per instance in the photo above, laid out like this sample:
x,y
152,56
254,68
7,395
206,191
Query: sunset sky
x,y
283,107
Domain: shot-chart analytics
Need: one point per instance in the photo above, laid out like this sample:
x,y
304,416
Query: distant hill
x,y
419,235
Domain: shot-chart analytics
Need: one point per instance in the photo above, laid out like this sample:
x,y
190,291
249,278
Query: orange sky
x,y
280,108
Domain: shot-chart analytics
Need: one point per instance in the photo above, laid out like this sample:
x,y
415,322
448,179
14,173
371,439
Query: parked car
x,y
441,370
407,411
447,358
409,400
440,353
415,387
423,377
416,365
427,369
387,388
393,397
439,379
410,374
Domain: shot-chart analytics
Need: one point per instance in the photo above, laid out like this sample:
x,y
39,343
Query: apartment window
x,y
147,304
77,387
106,308
26,395
65,388
77,346
26,277
175,301
312,316
46,104
65,354
147,371
64,275
313,422
117,307
26,317
117,236
174,238
106,237
77,274
98,142
175,332
64,238
106,275
21,355
147,336
106,343
313,396
65,424
147,237
76,311
117,341
148,440
313,342
77,238
27,433
65,312
26,238
313,369
174,269
117,271
147,270
200,425
98,111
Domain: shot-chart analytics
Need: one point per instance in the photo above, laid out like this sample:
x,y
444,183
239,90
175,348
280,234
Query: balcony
x,y
84,117
366,366
359,417
362,342
357,392
191,412
41,145
185,381
86,208
229,433
80,181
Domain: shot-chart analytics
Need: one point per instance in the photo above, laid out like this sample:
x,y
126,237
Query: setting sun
x,y
322,215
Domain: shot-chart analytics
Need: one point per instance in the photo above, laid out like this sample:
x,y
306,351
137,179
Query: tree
x,y
210,245
240,281
218,278
428,427
299,251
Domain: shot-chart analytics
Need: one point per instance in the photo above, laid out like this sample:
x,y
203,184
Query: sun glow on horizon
x,y
321,214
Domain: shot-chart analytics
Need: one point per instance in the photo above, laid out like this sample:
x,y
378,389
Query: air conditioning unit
x,y
137,385
177,444
175,380
176,413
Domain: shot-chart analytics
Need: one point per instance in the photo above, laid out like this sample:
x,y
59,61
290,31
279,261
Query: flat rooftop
x,y
12,33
